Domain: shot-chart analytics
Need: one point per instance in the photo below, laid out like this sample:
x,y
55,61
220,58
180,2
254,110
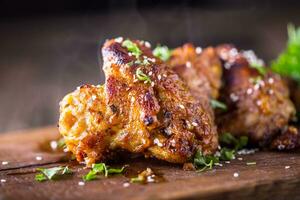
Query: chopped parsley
x,y
52,173
162,52
255,80
61,143
288,62
227,154
132,48
251,163
101,168
228,139
218,104
141,76
202,162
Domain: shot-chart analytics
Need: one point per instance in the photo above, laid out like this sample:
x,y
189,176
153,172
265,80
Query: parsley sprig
x,y
52,173
218,104
132,48
101,168
232,145
141,76
162,52
288,62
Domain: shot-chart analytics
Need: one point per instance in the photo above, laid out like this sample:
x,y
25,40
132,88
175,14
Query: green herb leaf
x,y
288,62
251,163
162,52
260,68
227,154
51,173
132,48
217,104
102,168
40,177
141,76
229,140
202,162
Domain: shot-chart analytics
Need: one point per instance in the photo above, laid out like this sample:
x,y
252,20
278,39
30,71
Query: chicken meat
x,y
143,107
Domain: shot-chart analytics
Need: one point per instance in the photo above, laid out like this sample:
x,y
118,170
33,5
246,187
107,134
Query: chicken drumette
x,y
143,107
259,104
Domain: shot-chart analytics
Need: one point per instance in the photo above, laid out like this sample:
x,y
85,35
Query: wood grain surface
x,y
275,175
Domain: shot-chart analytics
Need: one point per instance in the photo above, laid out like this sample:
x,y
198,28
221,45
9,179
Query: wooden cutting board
x,y
275,175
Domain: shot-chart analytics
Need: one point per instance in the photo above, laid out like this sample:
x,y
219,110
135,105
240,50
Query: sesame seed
x,y
256,86
227,65
94,97
240,158
147,44
227,162
81,183
165,75
157,142
3,181
188,64
181,106
235,175
119,39
150,73
198,50
287,167
259,102
159,77
152,83
271,80
249,91
4,162
271,91
132,99
194,123
130,54
234,97
126,184
38,158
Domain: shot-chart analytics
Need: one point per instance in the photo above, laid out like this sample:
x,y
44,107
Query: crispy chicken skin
x,y
258,105
200,69
158,118
289,139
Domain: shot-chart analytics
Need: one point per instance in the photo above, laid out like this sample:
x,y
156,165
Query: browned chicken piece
x,y
144,107
288,140
259,105
200,69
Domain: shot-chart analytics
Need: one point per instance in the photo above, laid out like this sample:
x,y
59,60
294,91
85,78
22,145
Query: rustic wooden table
x,y
275,175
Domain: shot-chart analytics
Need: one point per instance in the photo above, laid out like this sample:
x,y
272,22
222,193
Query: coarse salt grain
x,y
81,183
159,77
38,158
152,83
240,158
234,97
287,167
3,181
235,175
126,184
53,144
4,162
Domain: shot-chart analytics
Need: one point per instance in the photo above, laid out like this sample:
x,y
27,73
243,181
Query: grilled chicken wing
x,y
143,107
259,104
200,69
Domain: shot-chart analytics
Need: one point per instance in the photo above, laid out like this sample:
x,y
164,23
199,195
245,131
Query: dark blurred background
x,y
47,48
